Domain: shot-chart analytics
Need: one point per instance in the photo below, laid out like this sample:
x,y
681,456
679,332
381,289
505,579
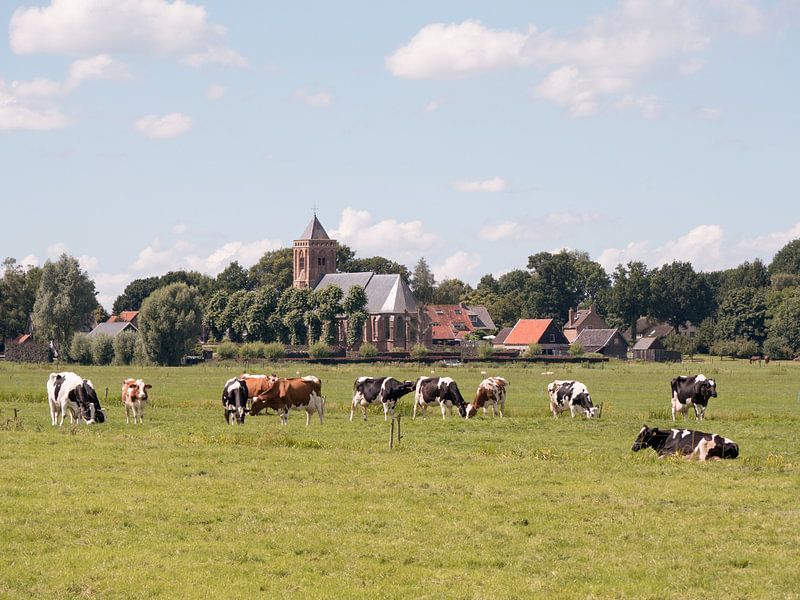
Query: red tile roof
x,y
21,339
527,331
449,321
126,316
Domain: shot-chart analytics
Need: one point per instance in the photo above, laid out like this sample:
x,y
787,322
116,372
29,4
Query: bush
x,y
368,350
227,351
739,348
778,347
319,350
419,351
274,351
533,350
485,350
80,351
575,349
251,350
102,349
124,348
140,352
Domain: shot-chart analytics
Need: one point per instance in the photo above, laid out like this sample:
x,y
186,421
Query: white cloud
x,y
567,219
389,238
155,27
494,185
101,66
54,251
165,127
216,92
649,106
433,106
313,99
508,230
155,257
457,50
527,229
461,265
29,261
245,254
18,116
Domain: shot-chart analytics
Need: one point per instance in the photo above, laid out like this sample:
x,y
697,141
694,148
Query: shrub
x,y
778,347
575,349
368,350
102,349
124,347
319,350
80,350
140,352
485,350
533,350
419,351
251,350
227,351
274,351
740,348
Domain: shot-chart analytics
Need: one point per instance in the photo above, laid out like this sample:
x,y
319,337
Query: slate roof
x,y
112,329
482,319
314,231
454,321
501,336
593,340
385,293
648,343
527,331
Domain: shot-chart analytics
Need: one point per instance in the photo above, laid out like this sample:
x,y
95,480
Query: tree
x,y
344,254
124,347
261,306
630,294
170,323
17,295
354,305
65,301
134,294
214,314
679,294
233,317
451,291
376,264
422,282
233,278
785,324
742,314
787,259
293,304
327,303
275,268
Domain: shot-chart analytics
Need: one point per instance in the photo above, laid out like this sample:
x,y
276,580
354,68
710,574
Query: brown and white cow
x,y
134,397
281,394
491,389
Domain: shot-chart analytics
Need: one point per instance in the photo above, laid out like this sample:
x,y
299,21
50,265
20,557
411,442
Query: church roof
x,y
386,294
314,231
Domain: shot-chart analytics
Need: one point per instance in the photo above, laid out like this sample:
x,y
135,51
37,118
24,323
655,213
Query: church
x,y
396,320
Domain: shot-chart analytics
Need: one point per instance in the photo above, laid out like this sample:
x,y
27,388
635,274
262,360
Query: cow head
x,y
90,404
269,391
641,441
707,389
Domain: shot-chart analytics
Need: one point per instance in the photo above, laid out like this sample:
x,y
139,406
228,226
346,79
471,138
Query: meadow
x,y
528,506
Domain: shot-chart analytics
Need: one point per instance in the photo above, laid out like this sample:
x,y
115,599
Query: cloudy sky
x,y
148,135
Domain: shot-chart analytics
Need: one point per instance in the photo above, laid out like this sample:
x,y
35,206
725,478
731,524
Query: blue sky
x,y
147,135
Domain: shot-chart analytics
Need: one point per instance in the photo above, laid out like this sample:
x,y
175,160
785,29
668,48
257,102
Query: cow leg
x,y
444,409
285,416
353,410
502,407
127,414
386,411
320,408
414,412
308,415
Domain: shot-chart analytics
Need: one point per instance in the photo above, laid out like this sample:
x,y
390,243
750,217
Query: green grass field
x,y
524,507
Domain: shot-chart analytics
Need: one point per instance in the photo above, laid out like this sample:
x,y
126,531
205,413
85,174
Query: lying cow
x,y
280,394
491,389
686,443
69,392
234,400
134,397
572,395
438,389
386,390
694,391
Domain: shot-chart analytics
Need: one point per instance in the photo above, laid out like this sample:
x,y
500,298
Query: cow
x,y
694,390
255,385
134,397
234,400
491,389
572,395
387,390
438,389
280,394
68,391
685,442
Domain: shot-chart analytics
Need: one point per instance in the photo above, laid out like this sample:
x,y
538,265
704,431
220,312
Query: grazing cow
x,y
255,385
68,391
387,390
234,400
491,389
280,394
686,443
134,397
438,389
572,395
694,390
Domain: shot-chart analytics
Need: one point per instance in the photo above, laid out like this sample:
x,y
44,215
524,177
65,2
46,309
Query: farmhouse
x,y
649,327
396,320
450,323
581,319
125,316
112,329
650,348
544,332
608,342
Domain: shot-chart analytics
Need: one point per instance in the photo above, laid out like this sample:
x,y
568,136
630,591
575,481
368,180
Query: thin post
x,y
398,430
391,435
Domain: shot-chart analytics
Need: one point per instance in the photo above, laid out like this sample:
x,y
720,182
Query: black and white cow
x,y
234,400
438,389
69,392
694,390
386,390
686,443
572,395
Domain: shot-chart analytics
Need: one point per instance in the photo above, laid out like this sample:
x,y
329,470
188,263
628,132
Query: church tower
x,y
314,255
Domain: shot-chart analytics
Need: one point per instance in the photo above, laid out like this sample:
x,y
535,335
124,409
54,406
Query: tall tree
x,y
630,294
65,301
422,282
170,323
232,279
134,294
742,314
787,259
214,314
451,291
275,268
376,264
679,294
293,304
18,288
354,305
328,306
785,325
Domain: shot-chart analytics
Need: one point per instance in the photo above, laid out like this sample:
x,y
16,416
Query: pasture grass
x,y
524,507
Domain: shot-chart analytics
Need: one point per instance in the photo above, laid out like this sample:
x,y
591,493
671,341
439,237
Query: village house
x,y
650,348
451,323
608,342
396,320
543,332
649,327
580,319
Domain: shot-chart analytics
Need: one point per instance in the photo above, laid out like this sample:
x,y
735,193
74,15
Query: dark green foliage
x,y
787,259
679,294
738,348
368,350
102,349
354,305
233,318
18,288
293,304
422,282
134,294
376,264
80,349
227,351
124,347
781,281
275,269
214,314
232,279
681,343
170,323
786,321
451,291
319,350
328,306
65,301
777,347
742,314
274,351
630,296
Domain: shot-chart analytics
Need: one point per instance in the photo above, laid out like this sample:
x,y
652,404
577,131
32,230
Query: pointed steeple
x,y
314,231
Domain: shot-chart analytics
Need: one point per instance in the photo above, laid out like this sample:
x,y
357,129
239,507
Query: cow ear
x,y
147,386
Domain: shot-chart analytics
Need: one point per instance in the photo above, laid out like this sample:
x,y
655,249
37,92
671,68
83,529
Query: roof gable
x,y
530,331
596,338
314,231
385,293
111,329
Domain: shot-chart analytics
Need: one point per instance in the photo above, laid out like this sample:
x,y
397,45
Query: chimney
x,y
571,318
